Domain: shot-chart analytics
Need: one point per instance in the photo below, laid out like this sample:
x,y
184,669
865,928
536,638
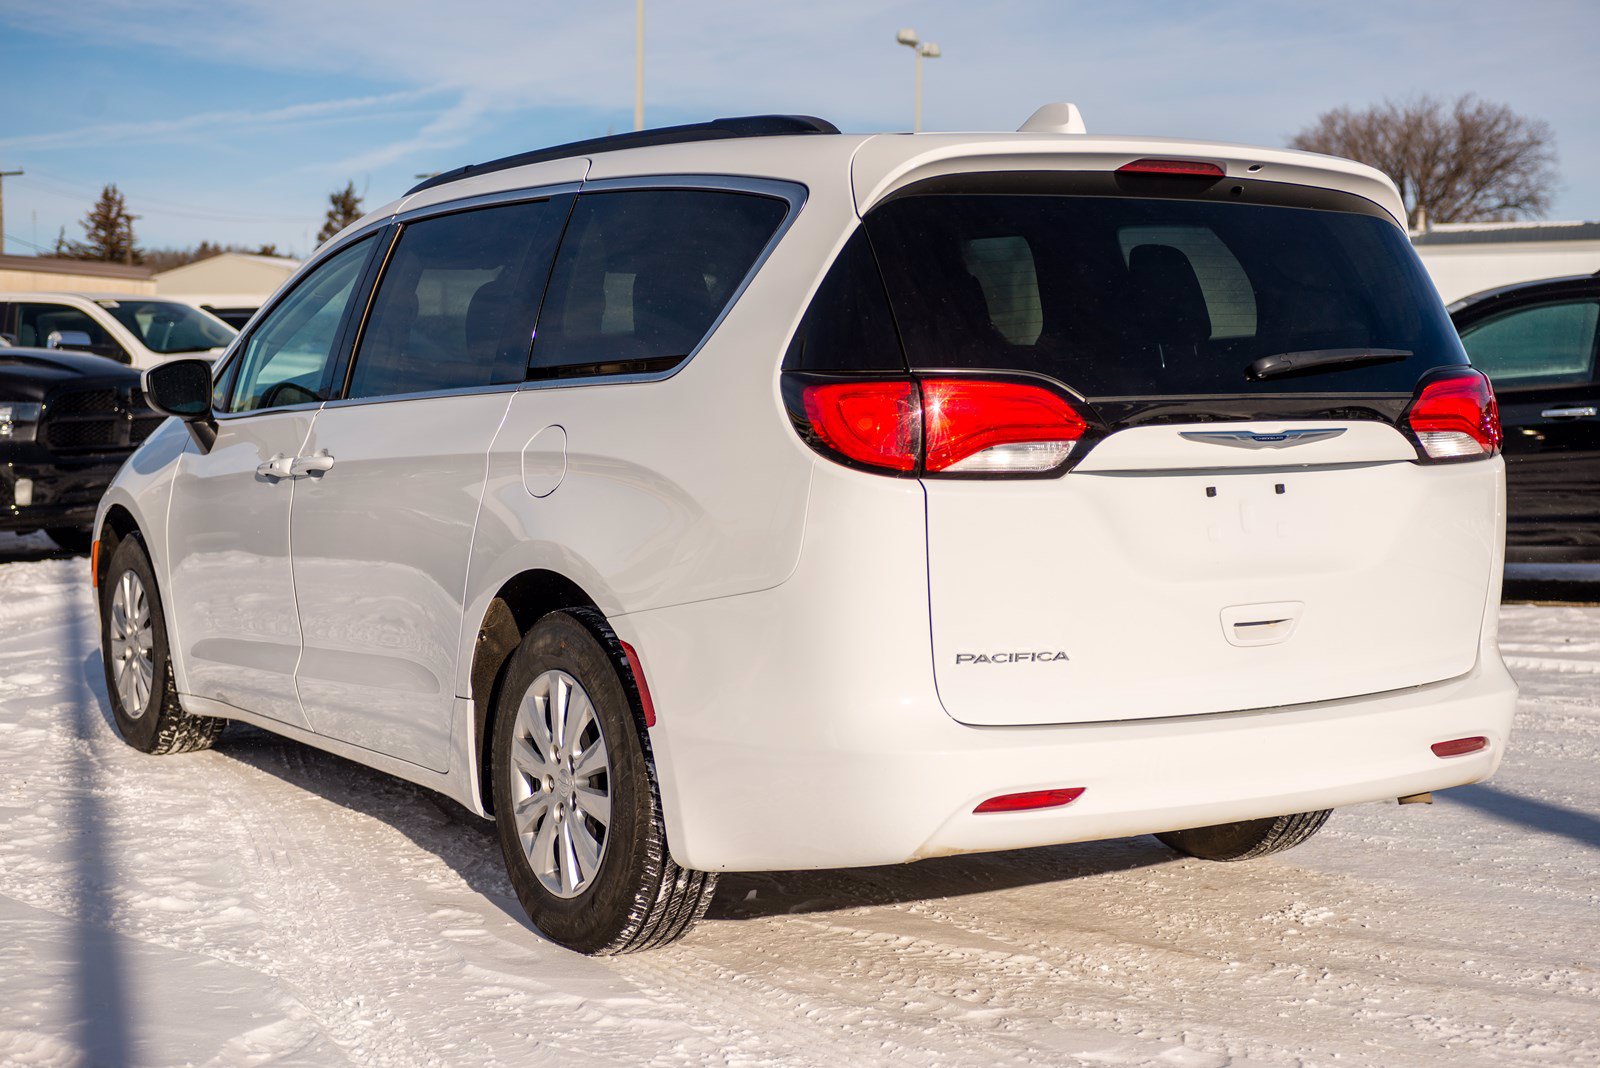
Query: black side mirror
x,y
183,388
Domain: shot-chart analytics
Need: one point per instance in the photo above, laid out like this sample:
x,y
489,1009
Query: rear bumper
x,y
800,727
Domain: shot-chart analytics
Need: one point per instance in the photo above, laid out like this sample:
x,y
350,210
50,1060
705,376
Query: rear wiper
x,y
1294,363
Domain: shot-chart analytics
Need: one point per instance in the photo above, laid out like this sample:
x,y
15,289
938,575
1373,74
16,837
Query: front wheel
x,y
575,796
1247,839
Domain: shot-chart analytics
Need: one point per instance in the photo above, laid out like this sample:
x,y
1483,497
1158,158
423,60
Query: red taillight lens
x,y
958,426
1459,746
1455,417
1170,167
874,423
978,427
1031,799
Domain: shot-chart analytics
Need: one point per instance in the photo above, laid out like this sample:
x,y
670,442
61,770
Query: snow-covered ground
x,y
265,903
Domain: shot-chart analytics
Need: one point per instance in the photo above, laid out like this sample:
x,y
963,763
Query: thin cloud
x,y
157,129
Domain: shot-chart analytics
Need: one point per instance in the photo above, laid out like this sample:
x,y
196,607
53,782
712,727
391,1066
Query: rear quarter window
x,y
643,275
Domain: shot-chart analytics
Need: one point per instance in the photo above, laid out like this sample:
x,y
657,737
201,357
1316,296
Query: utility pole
x,y
638,64
12,174
923,50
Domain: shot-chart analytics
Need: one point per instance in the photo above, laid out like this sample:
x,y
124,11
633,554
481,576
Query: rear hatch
x,y
1235,528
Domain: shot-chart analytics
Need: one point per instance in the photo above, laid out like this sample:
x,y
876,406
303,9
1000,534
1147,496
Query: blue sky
x,y
233,120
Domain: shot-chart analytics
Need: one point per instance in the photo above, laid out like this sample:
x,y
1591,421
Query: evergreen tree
x,y
107,230
344,208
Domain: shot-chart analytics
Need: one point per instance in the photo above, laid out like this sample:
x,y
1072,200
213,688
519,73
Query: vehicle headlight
x,y
18,421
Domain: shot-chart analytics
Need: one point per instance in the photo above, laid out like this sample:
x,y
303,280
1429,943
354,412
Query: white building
x,y
232,284
1467,258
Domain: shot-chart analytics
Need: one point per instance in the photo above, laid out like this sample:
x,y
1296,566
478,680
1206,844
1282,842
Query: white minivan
x,y
747,496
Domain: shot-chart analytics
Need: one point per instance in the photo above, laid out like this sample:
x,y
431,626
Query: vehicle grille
x,y
96,419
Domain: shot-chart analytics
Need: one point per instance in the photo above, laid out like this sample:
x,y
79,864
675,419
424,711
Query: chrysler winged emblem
x,y
1250,439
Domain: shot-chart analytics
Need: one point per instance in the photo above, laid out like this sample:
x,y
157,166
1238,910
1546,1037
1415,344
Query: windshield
x,y
1141,296
168,326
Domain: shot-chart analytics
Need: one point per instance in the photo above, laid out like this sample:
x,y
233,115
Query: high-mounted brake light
x,y
957,426
1031,799
1455,417
1173,167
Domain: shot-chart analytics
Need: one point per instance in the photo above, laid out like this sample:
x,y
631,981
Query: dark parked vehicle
x,y
1537,342
67,421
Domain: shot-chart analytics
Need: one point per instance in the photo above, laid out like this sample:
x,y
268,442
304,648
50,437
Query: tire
x,y
72,539
148,717
1247,840
617,889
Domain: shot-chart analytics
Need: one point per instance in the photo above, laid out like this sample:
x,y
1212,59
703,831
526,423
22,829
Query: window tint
x,y
848,326
1138,297
643,274
36,322
1549,344
285,359
456,306
168,326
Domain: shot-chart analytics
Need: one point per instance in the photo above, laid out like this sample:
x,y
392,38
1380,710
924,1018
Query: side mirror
x,y
182,388
68,339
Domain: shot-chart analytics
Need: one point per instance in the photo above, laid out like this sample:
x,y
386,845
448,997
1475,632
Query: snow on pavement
x,y
265,903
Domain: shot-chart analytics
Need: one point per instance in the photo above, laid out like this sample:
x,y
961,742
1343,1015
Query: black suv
x,y
1537,342
67,421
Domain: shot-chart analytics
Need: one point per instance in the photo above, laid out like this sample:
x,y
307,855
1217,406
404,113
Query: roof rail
x,y
715,130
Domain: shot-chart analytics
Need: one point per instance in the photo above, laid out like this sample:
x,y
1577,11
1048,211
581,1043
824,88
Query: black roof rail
x,y
715,130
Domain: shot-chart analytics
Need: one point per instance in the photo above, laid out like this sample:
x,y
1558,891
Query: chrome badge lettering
x,y
1249,439
1009,658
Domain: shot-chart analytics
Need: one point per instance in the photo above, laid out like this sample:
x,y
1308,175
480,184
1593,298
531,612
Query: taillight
x,y
1192,168
978,427
942,426
872,423
1455,417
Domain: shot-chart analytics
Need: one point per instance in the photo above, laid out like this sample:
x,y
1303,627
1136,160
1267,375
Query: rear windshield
x,y
1131,296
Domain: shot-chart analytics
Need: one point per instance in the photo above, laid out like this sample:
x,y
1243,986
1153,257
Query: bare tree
x,y
1464,161
344,208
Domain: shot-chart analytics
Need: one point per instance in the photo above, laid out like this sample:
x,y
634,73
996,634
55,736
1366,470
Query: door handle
x,y
311,465
1567,413
280,466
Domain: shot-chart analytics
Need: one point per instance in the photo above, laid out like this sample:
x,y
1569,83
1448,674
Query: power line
x,y
30,244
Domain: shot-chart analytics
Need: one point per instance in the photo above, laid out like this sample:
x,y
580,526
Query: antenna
x,y
1055,118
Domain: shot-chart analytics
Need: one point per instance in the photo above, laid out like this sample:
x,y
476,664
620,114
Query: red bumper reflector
x,y
1030,800
645,702
1460,746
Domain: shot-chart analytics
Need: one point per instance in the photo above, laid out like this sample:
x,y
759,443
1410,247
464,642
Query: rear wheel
x,y
1248,839
72,539
139,680
575,796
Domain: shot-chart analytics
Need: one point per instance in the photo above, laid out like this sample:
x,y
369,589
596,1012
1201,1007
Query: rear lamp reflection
x,y
1460,746
1031,799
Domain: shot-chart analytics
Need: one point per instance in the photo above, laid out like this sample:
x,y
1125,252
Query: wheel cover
x,y
133,658
560,784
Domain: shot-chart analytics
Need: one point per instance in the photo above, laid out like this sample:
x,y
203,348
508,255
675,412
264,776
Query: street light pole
x,y
638,64
922,50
